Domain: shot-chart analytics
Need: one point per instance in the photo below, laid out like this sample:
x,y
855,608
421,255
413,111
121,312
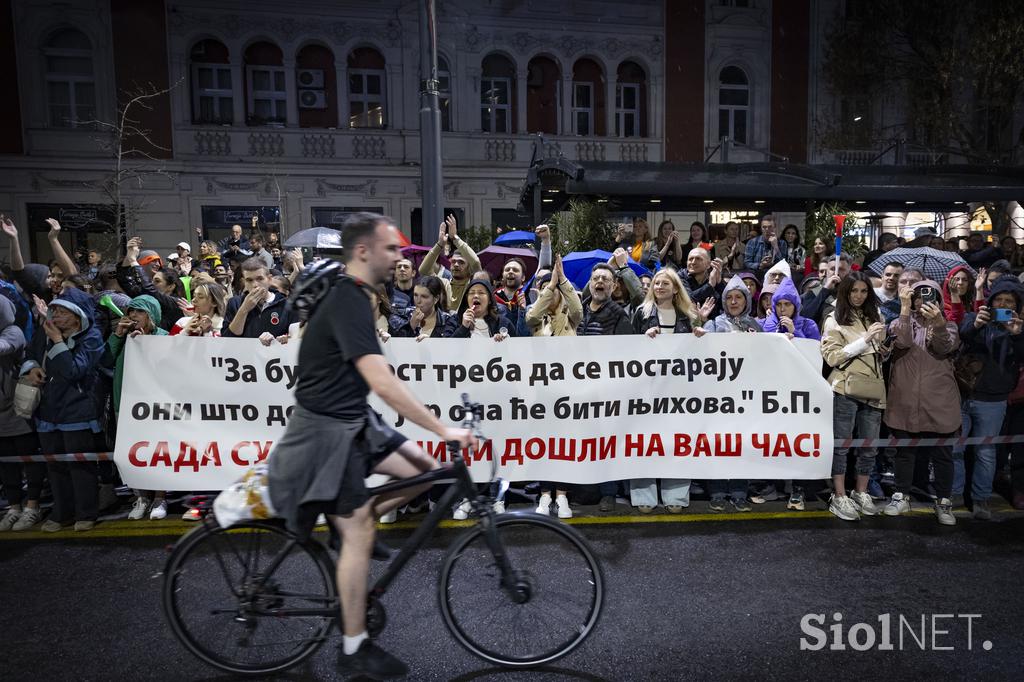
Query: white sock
x,y
351,644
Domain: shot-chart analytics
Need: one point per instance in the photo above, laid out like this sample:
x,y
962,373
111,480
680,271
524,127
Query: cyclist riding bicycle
x,y
334,439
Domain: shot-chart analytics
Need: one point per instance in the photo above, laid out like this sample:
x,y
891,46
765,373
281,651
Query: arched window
x,y
543,103
366,88
267,98
497,93
212,91
70,83
587,98
733,104
444,93
630,101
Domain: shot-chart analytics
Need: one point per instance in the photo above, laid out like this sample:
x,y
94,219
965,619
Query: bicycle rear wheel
x,y
562,591
227,593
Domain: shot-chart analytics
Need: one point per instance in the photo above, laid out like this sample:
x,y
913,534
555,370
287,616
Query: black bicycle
x,y
252,599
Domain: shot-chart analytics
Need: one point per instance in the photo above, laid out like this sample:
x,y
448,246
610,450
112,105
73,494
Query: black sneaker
x,y
606,504
372,661
717,504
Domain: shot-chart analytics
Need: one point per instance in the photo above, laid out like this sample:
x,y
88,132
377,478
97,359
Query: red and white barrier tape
x,y
846,443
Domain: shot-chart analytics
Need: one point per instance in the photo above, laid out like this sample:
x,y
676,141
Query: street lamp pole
x,y
430,126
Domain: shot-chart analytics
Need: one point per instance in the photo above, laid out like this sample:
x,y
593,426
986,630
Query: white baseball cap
x,y
184,245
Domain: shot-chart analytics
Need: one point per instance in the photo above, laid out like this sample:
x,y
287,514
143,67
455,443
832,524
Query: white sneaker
x,y
390,517
159,510
944,512
544,504
462,510
139,508
29,518
499,507
899,504
12,516
864,504
843,507
564,512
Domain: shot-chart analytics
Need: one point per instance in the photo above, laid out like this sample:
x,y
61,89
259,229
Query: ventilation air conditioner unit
x,y
311,78
312,99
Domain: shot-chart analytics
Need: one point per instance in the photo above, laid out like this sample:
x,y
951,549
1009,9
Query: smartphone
x,y
1002,315
928,295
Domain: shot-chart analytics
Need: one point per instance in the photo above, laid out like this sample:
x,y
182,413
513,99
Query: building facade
x,y
299,115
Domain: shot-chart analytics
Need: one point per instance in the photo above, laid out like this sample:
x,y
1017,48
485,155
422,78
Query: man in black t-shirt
x,y
334,440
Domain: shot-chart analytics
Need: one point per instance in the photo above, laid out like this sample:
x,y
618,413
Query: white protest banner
x,y
196,412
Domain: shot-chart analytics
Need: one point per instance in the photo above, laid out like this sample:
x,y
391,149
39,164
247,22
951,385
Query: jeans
x,y
643,492
736,488
980,418
910,459
74,484
852,418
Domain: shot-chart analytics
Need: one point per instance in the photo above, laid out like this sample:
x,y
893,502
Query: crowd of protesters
x,y
905,356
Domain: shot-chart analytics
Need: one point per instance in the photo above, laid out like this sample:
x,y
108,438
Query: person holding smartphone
x,y
993,335
923,395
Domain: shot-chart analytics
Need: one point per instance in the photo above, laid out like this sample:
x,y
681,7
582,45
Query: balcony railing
x,y
373,146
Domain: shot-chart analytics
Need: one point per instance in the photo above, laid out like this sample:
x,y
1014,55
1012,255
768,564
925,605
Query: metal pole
x,y
430,126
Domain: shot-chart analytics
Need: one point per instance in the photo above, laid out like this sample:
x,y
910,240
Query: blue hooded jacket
x,y
68,402
803,328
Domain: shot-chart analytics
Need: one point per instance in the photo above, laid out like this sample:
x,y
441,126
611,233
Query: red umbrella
x,y
493,259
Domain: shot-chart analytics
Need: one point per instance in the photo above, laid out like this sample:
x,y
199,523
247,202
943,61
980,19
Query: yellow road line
x,y
133,529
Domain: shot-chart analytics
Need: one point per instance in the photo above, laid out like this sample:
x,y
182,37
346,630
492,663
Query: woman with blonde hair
x,y
667,309
209,301
643,248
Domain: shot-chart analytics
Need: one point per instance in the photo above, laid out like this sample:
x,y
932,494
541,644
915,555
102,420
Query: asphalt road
x,y
692,598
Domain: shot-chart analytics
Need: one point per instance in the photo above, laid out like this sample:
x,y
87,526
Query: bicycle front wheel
x,y
250,599
558,599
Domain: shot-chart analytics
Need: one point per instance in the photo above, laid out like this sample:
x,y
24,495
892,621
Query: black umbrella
x,y
933,263
315,238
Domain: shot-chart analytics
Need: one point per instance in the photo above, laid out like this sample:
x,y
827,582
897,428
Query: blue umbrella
x,y
514,238
578,264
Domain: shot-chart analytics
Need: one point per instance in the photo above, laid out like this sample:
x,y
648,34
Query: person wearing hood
x,y
478,316
959,294
764,302
736,302
141,317
778,272
736,305
993,336
784,315
851,345
17,438
923,396
64,364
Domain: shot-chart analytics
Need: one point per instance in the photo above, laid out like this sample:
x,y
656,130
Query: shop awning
x,y
551,183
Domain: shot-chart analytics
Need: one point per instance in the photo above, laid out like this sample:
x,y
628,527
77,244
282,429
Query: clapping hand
x,y
706,308
8,227
54,232
52,332
715,276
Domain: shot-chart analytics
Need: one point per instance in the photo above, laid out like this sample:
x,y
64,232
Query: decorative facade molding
x,y
318,146
368,188
212,143
213,184
500,150
266,144
566,44
183,22
504,189
369,147
590,151
40,181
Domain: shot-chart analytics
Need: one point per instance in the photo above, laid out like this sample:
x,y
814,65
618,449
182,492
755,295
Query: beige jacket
x,y
841,343
566,318
923,394
453,290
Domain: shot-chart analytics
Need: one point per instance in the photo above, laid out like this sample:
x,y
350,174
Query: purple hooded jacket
x,y
803,328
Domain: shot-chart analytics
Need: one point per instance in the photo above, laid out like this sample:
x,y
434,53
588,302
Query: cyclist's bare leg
x,y
357,532
408,461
